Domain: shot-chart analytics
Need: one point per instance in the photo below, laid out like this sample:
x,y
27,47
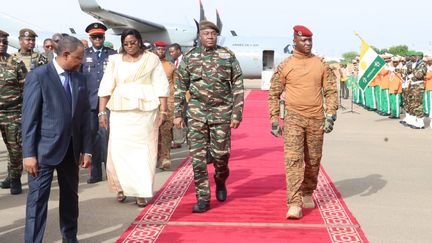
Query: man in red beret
x,y
311,103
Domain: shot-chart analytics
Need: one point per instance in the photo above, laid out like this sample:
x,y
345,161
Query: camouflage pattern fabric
x,y
219,136
214,80
303,142
12,76
415,95
215,83
31,60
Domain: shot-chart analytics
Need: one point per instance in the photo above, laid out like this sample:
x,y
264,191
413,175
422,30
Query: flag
x,y
369,66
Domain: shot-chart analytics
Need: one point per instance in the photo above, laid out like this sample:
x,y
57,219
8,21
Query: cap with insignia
x,y
96,28
27,33
3,34
160,43
205,24
301,30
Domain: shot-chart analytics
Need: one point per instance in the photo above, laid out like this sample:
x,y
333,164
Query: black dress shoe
x,y
15,186
201,207
93,180
64,240
221,192
5,184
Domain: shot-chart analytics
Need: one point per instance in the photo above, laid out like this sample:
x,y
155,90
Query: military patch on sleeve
x,y
224,55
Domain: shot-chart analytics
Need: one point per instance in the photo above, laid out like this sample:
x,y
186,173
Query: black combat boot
x,y
15,186
221,192
5,184
201,207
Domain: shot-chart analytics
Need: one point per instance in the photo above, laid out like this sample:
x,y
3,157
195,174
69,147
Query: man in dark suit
x,y
93,67
55,131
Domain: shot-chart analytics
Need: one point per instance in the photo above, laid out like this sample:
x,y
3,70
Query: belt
x,y
11,104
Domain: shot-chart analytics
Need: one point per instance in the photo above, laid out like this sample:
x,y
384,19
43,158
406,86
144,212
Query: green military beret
x,y
27,33
411,53
205,24
3,34
419,53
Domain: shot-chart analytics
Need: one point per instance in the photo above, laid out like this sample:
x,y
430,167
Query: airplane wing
x,y
118,21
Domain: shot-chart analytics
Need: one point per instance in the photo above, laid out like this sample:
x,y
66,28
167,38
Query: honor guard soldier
x,y
311,102
27,41
94,63
12,75
213,75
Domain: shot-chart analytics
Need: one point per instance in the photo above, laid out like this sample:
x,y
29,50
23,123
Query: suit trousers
x,y
100,146
38,195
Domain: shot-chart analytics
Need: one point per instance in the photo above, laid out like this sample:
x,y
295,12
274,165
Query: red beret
x,y
301,30
160,43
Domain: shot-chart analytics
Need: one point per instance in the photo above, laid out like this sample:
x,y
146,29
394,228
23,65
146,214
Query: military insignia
x,y
299,33
26,34
89,59
224,55
95,25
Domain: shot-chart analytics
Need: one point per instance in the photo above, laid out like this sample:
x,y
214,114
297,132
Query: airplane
x,y
255,54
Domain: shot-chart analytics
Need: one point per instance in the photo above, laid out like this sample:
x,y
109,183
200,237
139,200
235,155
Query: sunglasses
x,y
4,42
94,37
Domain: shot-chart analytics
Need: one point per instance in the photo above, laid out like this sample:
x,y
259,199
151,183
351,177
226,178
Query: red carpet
x,y
256,205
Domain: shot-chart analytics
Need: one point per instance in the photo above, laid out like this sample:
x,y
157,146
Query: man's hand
x,y
86,160
103,119
178,122
276,130
235,124
30,165
328,123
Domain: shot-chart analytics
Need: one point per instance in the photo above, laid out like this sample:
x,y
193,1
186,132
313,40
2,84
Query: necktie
x,y
98,54
176,63
66,86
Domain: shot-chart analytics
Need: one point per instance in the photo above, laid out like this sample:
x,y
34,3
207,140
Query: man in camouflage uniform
x,y
416,92
12,75
310,94
32,59
165,130
213,77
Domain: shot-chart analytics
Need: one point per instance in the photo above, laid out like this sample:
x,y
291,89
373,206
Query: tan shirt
x,y
308,80
169,69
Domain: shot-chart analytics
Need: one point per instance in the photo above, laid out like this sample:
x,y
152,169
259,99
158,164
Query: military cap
x,y
205,24
3,34
27,33
96,28
301,30
160,43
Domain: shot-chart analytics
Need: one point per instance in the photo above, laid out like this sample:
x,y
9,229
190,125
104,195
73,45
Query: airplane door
x,y
268,60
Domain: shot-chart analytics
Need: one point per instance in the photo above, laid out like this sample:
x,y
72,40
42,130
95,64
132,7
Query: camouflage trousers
x,y
10,126
217,138
164,141
303,142
415,100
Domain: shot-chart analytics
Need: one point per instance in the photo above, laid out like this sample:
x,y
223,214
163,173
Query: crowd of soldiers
x,y
404,83
14,68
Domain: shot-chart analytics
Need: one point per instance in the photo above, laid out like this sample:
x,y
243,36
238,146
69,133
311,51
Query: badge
x,y
224,55
89,59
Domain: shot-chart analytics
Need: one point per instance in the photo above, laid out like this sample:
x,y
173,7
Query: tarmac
x,y
381,169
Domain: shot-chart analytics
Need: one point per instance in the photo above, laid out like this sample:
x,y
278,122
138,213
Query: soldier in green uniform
x,y
213,77
31,59
12,75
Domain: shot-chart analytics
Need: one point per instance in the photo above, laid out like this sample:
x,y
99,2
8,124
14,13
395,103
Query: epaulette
x,y
189,51
13,59
227,50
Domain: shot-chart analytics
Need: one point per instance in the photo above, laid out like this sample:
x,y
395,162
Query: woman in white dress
x,y
135,89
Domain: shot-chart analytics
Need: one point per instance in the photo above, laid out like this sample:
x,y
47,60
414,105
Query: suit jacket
x,y
49,122
93,69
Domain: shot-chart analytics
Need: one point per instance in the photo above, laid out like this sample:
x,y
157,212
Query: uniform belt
x,y
11,104
417,82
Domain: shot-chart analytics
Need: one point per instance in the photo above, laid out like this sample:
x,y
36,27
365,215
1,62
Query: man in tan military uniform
x,y
165,130
311,103
32,59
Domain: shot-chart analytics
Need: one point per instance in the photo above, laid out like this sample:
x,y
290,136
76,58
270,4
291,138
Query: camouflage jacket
x,y
12,76
31,60
214,79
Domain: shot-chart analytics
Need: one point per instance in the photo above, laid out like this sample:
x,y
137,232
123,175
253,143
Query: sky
x,y
381,23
